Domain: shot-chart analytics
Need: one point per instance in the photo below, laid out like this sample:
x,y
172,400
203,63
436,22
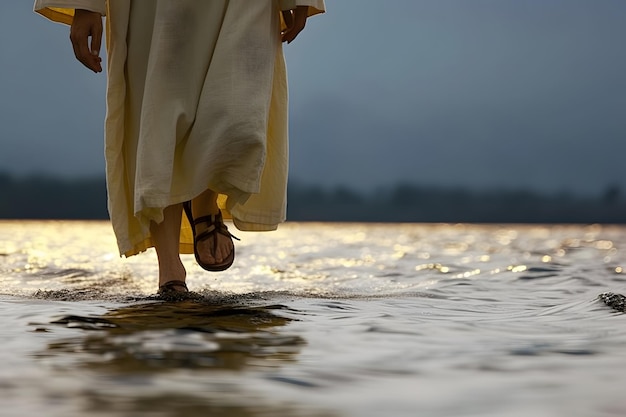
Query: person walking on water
x,y
196,123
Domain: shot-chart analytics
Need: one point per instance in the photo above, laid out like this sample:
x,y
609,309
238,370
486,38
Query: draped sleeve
x,y
62,11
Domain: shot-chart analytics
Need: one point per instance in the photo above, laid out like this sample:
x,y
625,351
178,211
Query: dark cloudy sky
x,y
480,93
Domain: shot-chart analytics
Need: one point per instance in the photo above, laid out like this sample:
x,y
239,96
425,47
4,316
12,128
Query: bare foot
x,y
165,237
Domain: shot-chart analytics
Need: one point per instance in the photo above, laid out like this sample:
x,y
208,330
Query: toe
x,y
219,254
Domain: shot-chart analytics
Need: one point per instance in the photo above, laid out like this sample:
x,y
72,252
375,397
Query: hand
x,y
87,25
295,20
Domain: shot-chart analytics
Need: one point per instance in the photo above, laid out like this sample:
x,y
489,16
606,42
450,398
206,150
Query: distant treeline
x,y
45,197
413,203
42,197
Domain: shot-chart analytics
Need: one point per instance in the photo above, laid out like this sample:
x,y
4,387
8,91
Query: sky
x,y
474,93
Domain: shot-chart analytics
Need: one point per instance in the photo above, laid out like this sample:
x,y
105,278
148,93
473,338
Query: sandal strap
x,y
169,285
215,224
211,219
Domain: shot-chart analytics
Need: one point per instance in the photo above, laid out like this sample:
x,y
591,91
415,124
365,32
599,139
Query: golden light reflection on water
x,y
506,236
468,274
317,258
603,244
320,255
517,268
433,266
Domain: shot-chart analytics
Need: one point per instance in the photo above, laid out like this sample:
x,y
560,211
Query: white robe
x,y
218,120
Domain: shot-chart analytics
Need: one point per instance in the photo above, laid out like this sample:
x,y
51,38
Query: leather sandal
x,y
170,287
216,225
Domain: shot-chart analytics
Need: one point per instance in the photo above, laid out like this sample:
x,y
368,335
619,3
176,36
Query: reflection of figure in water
x,y
196,119
144,345
189,334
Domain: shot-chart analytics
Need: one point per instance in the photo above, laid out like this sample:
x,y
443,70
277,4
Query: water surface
x,y
318,320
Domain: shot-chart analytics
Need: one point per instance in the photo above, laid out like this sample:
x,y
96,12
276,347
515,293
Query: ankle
x,y
171,271
205,204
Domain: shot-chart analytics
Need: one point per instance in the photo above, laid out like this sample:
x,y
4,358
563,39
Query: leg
x,y
203,205
165,236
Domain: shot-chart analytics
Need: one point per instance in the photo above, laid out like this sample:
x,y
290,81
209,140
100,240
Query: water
x,y
318,320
